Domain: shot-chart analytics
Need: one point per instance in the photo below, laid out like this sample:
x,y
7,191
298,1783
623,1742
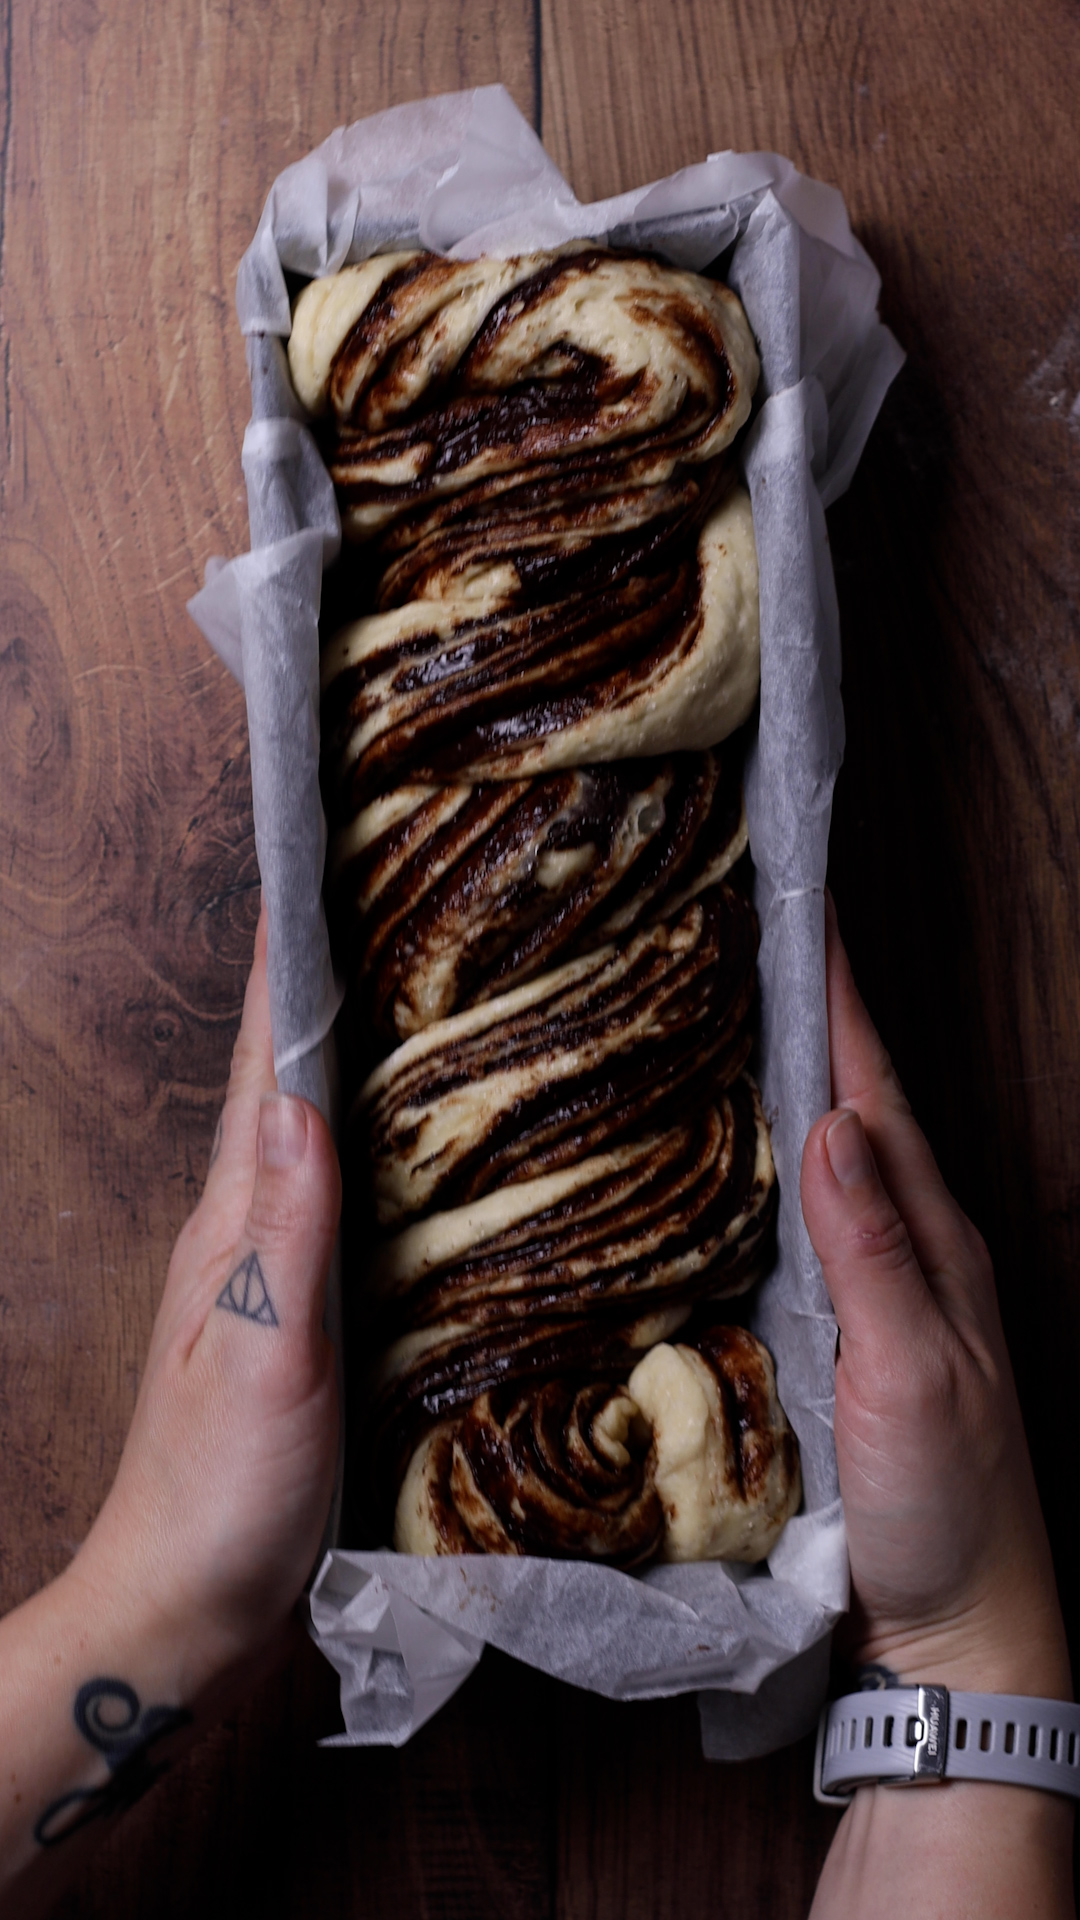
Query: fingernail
x,y
282,1131
849,1151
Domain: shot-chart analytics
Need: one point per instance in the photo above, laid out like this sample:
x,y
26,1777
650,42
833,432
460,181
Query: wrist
x,y
952,1846
983,1650
111,1627
176,1653
89,1712
964,1848
974,1665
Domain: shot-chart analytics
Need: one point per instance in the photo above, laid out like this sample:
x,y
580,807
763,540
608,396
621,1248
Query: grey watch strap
x,y
917,1736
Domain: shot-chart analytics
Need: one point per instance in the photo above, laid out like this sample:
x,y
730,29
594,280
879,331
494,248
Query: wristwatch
x,y
924,1736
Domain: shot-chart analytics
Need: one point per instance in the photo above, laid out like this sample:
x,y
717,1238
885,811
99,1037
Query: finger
x,y
231,1174
277,1278
878,1291
860,1066
218,1219
252,1071
947,1247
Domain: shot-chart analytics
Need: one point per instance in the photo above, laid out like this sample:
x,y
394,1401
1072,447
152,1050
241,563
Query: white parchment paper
x,y
465,174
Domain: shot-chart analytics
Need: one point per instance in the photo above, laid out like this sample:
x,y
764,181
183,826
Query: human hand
x,y
951,1573
219,1504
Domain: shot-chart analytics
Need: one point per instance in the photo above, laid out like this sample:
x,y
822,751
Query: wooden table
x,y
139,142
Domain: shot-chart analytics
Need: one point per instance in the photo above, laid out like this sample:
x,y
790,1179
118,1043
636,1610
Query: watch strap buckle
x,y
931,1736
899,1737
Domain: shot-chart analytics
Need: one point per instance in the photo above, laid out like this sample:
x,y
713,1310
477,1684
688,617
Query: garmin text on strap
x,y
918,1736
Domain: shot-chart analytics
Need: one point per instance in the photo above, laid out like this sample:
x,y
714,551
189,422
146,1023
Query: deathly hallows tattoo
x,y
109,1715
245,1293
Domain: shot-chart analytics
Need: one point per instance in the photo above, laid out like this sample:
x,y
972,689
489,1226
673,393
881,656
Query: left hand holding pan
x,y
186,1582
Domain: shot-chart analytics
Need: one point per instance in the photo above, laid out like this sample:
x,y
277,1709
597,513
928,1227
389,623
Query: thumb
x,y
278,1277
877,1288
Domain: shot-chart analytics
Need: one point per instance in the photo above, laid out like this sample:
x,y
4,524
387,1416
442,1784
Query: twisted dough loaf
x,y
533,828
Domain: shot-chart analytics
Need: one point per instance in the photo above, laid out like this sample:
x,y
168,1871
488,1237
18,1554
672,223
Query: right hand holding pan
x,y
951,1572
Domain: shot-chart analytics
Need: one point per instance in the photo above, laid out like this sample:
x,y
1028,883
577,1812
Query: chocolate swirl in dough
x,y
443,896
478,687
552,1468
576,1272
433,1375
563,569
676,1214
549,537
436,374
534,1079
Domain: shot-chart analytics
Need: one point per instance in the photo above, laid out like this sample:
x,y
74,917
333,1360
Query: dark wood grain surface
x,y
138,142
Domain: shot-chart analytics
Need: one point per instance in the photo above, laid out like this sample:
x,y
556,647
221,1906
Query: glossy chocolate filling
x,y
560,537
408,1401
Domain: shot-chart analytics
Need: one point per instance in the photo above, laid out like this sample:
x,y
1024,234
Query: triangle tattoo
x,y
245,1293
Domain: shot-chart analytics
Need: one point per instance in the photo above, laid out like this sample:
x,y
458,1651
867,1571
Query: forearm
x,y
963,1851
94,1699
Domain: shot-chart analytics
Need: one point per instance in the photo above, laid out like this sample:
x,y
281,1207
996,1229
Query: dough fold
x,y
726,1460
